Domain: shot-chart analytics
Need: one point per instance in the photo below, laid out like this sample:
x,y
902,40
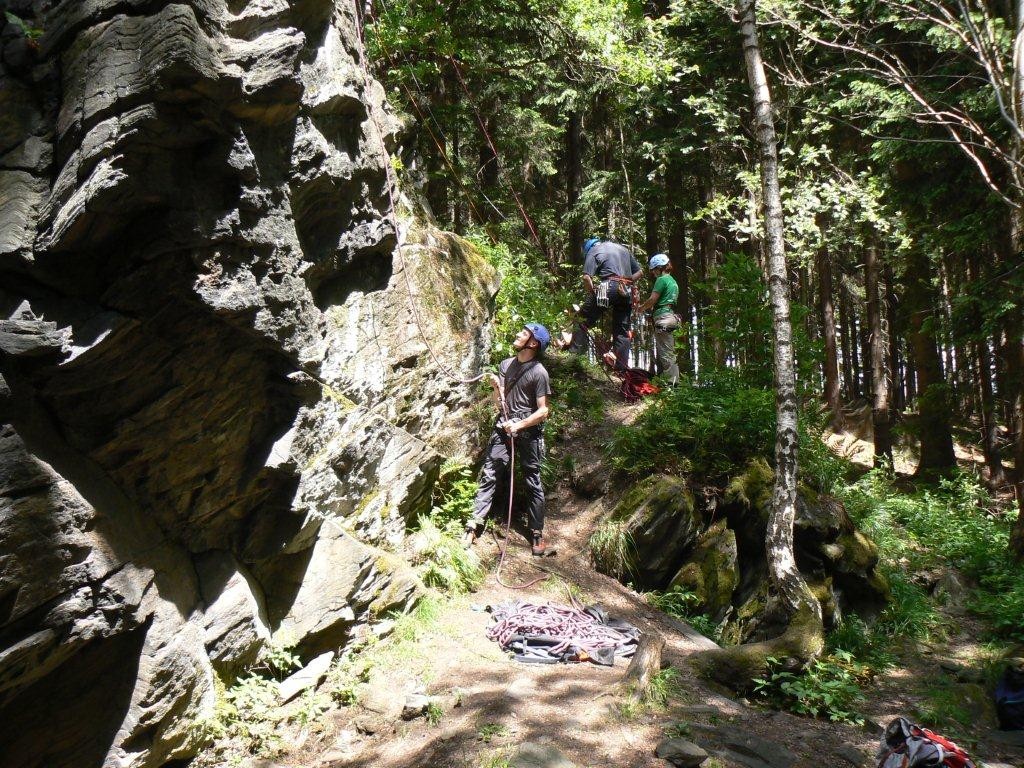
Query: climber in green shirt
x,y
663,300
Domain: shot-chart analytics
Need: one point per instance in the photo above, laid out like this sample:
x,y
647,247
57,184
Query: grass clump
x,y
613,549
685,605
442,561
488,732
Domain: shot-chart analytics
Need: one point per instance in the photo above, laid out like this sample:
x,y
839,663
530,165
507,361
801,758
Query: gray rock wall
x,y
218,410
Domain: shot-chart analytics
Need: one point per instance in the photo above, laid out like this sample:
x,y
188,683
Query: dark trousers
x,y
620,302
494,476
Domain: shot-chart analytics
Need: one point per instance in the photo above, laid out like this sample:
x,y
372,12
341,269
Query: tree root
x,y
738,666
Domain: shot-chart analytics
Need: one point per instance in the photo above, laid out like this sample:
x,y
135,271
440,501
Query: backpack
x,y
905,745
1010,700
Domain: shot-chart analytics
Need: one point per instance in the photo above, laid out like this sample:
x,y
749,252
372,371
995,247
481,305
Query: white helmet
x,y
657,260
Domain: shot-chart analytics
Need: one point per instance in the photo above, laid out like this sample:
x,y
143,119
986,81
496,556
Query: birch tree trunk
x,y
804,637
779,539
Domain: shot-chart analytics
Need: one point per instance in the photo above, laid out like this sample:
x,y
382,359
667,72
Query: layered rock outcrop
x,y
224,390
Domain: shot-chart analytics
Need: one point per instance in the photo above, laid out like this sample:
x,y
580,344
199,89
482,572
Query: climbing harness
x,y
548,634
511,484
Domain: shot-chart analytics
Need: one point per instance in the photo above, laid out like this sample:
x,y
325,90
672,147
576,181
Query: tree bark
x,y
826,307
895,380
458,209
652,224
715,347
1017,355
786,578
680,262
851,360
933,394
879,370
644,665
986,395
573,182
487,173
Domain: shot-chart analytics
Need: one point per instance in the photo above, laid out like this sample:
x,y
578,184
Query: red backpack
x,y
905,745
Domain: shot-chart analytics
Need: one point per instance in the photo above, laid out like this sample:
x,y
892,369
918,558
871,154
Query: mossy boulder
x,y
711,571
661,519
839,561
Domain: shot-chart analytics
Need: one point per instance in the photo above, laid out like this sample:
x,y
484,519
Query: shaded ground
x,y
489,703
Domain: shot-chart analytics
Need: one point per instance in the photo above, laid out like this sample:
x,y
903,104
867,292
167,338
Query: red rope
x,y
494,151
511,488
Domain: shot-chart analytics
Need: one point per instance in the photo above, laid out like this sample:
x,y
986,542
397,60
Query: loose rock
x,y
681,753
533,755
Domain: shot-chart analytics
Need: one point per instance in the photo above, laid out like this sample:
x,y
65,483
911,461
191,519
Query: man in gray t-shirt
x,y
609,271
521,387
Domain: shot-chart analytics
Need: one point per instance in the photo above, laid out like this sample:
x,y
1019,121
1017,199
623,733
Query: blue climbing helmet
x,y
657,260
540,333
589,243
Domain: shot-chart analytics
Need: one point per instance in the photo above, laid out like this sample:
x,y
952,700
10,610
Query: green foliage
x,y
32,33
946,523
443,561
528,294
664,684
453,495
248,713
677,601
679,730
828,688
434,713
578,400
437,541
488,732
684,604
942,705
717,424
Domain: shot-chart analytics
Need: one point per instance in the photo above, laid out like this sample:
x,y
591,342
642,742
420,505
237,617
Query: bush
x,y
947,523
717,424
827,688
529,293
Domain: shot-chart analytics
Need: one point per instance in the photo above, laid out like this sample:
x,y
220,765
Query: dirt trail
x,y
490,704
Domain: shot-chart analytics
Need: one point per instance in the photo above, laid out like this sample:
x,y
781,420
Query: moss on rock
x,y
711,571
660,517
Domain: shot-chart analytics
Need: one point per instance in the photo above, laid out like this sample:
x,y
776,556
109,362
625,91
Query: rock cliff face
x,y
218,407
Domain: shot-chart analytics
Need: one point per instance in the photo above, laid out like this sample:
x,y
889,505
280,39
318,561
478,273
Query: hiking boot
x,y
539,547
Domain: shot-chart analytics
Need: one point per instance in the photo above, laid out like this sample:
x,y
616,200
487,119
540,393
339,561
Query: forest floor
x,y
485,705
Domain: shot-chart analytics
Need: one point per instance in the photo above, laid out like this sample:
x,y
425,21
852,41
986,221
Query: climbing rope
x,y
390,186
567,628
511,488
